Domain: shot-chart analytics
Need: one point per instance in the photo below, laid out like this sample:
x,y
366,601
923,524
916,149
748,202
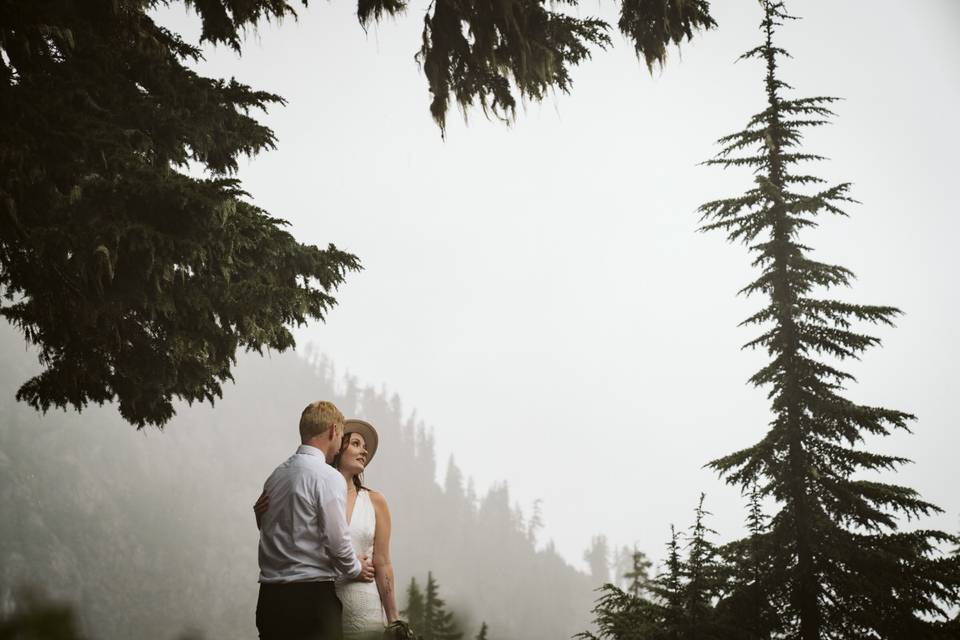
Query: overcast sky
x,y
539,292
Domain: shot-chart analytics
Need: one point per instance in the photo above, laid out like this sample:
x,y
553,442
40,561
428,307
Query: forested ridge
x,y
151,535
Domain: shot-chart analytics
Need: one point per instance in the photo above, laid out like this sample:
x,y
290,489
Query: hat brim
x,y
365,429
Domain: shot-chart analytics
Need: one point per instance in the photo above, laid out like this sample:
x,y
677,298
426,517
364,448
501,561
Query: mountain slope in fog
x,y
151,533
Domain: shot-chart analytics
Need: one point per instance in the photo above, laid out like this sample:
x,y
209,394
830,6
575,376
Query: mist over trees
x,y
151,534
138,280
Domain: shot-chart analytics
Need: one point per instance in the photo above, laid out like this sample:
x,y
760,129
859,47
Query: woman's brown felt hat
x,y
365,429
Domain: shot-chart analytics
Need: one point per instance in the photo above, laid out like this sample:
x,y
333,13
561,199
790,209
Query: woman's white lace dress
x,y
362,610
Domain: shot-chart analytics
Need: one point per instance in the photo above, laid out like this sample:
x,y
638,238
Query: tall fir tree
x,y
414,611
438,623
841,567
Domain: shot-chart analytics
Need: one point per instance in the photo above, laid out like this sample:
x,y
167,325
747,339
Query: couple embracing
x,y
325,570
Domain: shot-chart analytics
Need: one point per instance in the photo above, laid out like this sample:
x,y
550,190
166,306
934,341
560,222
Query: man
x,y
304,538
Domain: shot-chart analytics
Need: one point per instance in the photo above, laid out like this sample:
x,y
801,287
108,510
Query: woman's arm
x,y
381,557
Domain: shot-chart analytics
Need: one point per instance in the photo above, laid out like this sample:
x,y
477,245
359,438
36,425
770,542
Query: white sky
x,y
539,294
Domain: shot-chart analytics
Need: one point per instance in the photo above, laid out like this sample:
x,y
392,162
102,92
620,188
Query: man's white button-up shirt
x,y
304,536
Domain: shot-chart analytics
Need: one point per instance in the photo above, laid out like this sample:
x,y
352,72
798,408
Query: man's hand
x,y
260,507
367,571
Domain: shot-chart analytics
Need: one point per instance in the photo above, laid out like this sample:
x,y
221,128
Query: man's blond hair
x,y
319,416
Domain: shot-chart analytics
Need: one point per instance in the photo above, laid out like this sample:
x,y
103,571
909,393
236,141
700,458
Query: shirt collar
x,y
306,449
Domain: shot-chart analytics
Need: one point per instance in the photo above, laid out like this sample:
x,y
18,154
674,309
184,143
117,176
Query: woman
x,y
367,606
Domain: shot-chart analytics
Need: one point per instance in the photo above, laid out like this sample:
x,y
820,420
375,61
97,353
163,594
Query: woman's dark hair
x,y
357,479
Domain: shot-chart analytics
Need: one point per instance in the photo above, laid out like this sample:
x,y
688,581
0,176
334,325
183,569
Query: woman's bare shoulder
x,y
377,498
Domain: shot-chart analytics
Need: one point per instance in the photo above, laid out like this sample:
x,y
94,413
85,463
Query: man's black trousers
x,y
299,611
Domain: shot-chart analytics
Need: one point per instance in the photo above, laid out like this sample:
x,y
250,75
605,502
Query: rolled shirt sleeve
x,y
333,522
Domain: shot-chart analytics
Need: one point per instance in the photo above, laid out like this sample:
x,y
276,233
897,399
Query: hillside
x,y
150,534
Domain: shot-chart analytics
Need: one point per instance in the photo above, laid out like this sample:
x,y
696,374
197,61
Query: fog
x,y
538,294
151,535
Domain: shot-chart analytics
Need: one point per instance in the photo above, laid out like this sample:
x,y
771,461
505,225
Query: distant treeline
x,y
152,535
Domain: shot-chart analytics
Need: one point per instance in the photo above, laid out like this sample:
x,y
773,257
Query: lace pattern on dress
x,y
362,609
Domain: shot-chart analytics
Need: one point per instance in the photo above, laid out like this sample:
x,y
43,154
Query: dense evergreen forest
x,y
151,535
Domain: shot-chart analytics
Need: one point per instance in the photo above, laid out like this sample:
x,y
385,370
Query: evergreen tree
x,y
471,497
620,565
536,522
453,482
840,566
139,282
483,52
746,611
620,616
482,634
438,623
668,594
703,580
33,616
639,575
676,605
416,607
426,451
597,558
951,628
